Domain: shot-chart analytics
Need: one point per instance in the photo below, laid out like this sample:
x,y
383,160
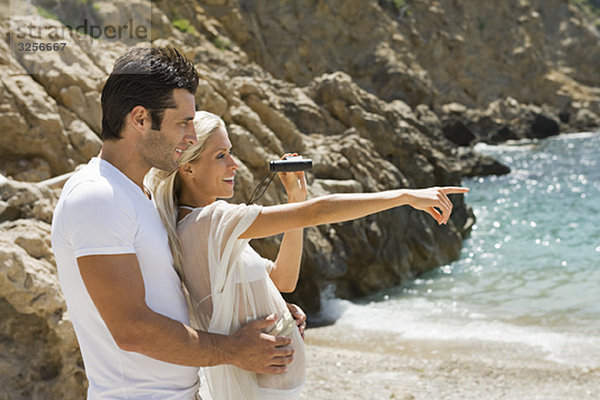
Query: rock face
x,y
427,52
380,94
40,356
502,120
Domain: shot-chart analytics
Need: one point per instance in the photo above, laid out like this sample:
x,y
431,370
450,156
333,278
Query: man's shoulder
x,y
91,198
85,186
88,187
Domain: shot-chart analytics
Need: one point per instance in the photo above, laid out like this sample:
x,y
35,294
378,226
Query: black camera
x,y
291,164
288,164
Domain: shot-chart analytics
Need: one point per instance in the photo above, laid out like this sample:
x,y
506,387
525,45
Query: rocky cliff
x,y
380,94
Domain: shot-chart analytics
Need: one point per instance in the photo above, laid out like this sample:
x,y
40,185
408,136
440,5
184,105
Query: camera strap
x,y
261,188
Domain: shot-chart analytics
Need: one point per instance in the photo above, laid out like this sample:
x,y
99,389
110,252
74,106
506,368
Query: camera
x,y
291,164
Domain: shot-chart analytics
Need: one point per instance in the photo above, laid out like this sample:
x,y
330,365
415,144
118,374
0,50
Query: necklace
x,y
186,207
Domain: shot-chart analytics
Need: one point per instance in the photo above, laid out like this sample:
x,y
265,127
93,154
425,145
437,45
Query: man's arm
x,y
116,286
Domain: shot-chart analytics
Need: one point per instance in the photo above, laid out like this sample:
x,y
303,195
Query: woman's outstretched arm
x,y
347,206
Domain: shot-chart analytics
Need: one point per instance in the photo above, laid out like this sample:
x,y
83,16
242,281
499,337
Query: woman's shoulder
x,y
224,207
219,212
214,210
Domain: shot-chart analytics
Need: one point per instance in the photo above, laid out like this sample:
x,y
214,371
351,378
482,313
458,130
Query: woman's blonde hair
x,y
166,186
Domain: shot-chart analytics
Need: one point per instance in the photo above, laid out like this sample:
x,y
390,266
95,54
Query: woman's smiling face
x,y
214,169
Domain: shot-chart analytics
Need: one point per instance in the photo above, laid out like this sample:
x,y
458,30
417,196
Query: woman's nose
x,y
233,164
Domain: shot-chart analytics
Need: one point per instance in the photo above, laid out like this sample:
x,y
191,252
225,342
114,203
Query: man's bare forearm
x,y
171,341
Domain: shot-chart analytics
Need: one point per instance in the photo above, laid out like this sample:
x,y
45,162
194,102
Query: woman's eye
x,y
222,155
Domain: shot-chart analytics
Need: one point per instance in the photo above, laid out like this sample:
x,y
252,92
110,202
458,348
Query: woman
x,y
230,284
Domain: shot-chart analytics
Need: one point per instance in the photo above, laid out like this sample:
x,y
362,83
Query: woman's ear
x,y
186,169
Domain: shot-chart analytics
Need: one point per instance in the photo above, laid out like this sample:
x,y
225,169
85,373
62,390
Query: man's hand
x,y
259,352
299,317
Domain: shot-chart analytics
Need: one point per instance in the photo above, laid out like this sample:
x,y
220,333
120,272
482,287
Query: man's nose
x,y
190,135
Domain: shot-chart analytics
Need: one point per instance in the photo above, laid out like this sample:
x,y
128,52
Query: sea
x,y
528,273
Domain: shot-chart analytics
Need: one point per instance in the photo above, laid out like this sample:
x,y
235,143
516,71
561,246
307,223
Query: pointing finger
x,y
454,189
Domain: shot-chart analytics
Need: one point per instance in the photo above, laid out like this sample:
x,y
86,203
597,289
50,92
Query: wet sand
x,y
345,363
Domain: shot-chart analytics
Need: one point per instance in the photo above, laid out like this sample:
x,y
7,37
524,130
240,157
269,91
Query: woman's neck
x,y
192,199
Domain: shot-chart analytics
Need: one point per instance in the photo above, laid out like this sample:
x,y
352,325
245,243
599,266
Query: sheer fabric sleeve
x,y
227,223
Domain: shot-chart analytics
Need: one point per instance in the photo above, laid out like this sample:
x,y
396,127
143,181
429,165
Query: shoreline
x,y
346,363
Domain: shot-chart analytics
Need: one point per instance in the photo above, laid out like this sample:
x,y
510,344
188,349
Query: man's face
x,y
161,149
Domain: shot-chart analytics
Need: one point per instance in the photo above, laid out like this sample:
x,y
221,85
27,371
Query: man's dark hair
x,y
144,76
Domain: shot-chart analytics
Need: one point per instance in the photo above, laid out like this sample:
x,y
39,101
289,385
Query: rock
x,y
26,200
135,15
324,186
502,120
33,237
457,132
585,119
40,354
299,44
454,108
32,129
209,99
86,143
425,54
502,135
476,164
543,126
34,132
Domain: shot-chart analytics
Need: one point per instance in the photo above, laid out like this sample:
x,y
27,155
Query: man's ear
x,y
139,118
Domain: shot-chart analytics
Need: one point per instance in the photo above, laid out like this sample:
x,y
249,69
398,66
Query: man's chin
x,y
166,168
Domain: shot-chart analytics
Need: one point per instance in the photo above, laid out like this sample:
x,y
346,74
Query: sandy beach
x,y
345,363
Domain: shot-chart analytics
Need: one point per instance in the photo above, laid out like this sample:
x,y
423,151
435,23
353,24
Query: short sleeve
x,y
97,221
269,265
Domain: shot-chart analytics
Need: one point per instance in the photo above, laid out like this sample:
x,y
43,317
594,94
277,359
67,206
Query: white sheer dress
x,y
229,285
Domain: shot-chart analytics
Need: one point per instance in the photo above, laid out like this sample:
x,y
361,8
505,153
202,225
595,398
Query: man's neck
x,y
125,160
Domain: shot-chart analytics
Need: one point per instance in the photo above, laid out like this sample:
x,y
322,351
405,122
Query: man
x,y
112,253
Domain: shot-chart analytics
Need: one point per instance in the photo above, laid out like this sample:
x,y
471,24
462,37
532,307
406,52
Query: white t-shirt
x,y
102,212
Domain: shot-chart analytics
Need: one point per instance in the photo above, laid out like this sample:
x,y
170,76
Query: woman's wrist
x,y
296,198
403,197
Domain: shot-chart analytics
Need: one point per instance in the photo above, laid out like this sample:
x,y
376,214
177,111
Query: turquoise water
x,y
534,254
530,270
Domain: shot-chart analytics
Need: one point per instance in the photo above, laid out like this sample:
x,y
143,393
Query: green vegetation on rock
x,y
183,25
